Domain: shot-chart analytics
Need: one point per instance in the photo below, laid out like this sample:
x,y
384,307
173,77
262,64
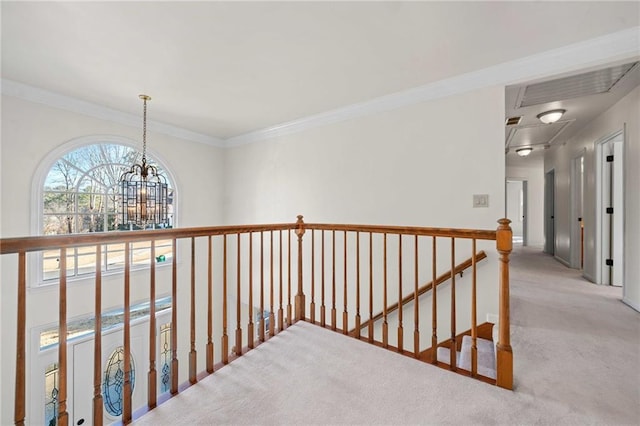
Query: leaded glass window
x,y
80,194
51,395
113,384
165,357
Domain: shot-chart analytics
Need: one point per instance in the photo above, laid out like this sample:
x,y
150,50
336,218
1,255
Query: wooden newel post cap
x,y
504,236
300,229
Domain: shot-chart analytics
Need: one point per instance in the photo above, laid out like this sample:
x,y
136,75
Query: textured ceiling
x,y
226,68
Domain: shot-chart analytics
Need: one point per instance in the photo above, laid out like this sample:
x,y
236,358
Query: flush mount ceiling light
x,y
523,152
552,116
144,192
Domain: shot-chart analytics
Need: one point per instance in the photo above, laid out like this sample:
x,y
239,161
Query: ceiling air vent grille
x,y
512,121
590,83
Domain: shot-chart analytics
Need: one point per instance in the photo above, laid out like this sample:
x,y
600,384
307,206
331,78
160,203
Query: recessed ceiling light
x,y
552,116
523,152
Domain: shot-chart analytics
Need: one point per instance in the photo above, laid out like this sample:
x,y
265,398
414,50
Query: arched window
x,y
81,194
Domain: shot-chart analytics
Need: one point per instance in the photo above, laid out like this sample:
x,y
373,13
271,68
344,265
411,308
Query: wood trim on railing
x,y
97,341
504,357
63,416
460,268
174,318
152,380
400,326
20,389
300,299
452,310
126,328
209,305
479,234
193,358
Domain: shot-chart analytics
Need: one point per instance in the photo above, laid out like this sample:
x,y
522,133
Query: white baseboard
x,y
588,277
564,262
631,304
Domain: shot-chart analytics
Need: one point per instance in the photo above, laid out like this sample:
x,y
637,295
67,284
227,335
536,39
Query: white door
x,y
611,209
81,412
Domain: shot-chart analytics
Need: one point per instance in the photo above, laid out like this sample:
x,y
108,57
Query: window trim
x,y
37,193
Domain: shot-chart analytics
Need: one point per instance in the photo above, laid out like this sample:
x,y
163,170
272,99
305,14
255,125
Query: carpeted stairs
x,y
486,355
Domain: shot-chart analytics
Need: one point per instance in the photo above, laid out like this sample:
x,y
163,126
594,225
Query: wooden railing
x,y
308,275
459,269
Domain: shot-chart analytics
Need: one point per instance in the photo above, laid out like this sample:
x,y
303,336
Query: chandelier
x,y
144,193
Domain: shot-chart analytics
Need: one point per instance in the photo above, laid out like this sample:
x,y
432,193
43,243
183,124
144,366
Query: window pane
x,y
51,395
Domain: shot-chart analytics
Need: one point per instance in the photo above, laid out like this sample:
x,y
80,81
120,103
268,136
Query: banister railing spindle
x,y
174,318
238,297
272,319
280,310
416,304
225,337
126,391
192,314
300,299
434,304
333,280
19,412
474,319
323,308
250,330
370,335
152,376
454,347
261,336
400,309
63,416
97,343
345,315
312,305
210,305
385,324
358,319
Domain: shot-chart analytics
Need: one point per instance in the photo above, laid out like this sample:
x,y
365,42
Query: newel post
x,y
504,357
299,301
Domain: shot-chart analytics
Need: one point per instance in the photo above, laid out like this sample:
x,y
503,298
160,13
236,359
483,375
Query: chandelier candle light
x,y
144,193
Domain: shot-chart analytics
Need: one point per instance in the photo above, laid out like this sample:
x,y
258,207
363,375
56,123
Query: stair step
x,y
486,356
444,355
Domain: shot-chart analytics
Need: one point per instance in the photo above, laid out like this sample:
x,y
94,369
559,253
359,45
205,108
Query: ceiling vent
x,y
512,121
576,86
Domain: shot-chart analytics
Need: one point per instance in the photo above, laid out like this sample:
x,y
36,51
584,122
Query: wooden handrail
x,y
425,288
479,234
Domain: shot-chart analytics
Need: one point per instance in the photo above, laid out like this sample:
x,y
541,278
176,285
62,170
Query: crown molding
x,y
56,100
616,46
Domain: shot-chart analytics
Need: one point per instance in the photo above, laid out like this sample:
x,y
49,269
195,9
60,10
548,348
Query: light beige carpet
x,y
577,361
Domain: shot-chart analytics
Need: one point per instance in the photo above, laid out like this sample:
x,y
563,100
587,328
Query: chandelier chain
x,y
144,131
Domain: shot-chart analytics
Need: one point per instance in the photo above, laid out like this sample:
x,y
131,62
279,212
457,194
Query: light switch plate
x,y
480,200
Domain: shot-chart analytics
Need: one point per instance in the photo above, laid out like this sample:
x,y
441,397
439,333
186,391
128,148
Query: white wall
x,y
418,165
624,113
532,172
30,131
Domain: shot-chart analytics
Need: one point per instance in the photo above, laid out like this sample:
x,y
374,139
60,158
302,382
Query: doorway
x,y
577,208
610,210
516,209
549,212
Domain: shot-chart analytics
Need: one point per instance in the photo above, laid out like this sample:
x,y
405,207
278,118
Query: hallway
x,y
574,342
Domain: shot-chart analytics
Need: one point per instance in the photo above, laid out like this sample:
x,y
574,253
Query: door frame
x,y
549,212
577,211
600,217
